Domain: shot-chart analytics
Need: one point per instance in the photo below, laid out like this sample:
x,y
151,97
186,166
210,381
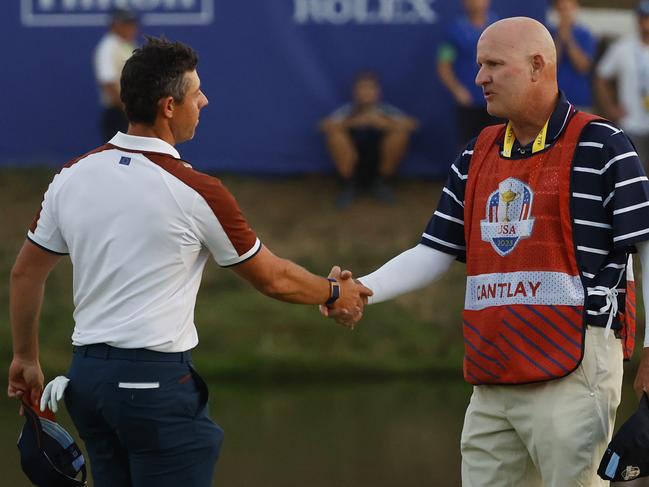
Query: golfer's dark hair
x,y
154,71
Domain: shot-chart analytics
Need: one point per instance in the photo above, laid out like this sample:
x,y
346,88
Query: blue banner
x,y
270,68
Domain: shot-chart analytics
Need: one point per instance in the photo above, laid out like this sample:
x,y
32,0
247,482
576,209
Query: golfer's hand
x,y
25,380
53,393
348,311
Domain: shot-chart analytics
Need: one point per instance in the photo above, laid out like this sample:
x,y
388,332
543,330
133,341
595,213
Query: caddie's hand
x,y
641,382
25,380
53,393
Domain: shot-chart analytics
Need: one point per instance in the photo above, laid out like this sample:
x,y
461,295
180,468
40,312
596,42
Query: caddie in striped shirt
x,y
545,211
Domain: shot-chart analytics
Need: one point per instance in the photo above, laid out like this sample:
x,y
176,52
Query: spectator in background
x,y
457,68
626,63
367,139
575,51
114,48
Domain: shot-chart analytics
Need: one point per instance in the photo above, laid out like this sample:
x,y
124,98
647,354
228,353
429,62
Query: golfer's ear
x,y
166,106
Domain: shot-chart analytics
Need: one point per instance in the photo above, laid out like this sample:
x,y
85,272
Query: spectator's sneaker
x,y
346,197
383,193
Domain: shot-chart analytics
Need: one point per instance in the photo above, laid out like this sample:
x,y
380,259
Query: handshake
x,y
348,308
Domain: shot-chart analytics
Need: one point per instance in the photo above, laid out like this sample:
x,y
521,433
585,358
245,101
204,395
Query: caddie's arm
x,y
409,271
286,281
27,286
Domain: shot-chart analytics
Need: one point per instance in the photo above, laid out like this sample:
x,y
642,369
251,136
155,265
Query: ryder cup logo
x,y
508,216
82,13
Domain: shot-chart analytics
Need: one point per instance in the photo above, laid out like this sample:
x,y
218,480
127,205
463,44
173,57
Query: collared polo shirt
x,y
609,199
139,225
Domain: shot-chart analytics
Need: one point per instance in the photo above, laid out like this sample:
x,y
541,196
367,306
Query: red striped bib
x,y
524,304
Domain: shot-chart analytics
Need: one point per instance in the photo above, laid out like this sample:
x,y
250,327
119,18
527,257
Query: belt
x,y
104,351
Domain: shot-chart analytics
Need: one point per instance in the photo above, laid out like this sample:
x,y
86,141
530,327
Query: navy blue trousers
x,y
143,417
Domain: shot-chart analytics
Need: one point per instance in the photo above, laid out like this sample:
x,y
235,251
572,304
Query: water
x,y
378,434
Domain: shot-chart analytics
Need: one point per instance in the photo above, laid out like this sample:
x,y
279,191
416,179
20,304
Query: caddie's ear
x,y
166,106
537,64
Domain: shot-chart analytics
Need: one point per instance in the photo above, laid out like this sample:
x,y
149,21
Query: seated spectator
x,y
367,140
575,51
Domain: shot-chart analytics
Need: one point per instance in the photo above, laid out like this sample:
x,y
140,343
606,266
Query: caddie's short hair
x,y
154,71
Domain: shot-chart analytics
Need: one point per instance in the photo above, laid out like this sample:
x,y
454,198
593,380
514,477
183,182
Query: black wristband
x,y
334,291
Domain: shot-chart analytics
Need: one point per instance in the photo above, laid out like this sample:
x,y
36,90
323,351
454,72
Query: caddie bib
x,y
524,317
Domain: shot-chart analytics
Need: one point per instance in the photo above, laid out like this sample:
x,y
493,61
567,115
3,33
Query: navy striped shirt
x,y
610,206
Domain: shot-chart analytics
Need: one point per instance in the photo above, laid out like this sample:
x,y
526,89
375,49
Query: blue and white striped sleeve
x,y
627,192
445,230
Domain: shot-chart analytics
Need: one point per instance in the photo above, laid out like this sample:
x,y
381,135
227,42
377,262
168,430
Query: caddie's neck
x,y
159,130
532,118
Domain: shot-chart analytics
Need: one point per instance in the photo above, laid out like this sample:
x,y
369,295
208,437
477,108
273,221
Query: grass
x,y
245,335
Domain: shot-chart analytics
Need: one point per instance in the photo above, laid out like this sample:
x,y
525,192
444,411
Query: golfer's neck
x,y
157,131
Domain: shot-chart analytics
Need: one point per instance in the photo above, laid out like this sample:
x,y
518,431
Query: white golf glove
x,y
53,393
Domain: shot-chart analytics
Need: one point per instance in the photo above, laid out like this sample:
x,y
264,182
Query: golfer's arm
x,y
26,289
643,252
411,270
282,279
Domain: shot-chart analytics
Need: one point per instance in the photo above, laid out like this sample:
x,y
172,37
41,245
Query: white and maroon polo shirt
x,y
139,224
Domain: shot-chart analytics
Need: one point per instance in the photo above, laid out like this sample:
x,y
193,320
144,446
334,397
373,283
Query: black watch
x,y
334,291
